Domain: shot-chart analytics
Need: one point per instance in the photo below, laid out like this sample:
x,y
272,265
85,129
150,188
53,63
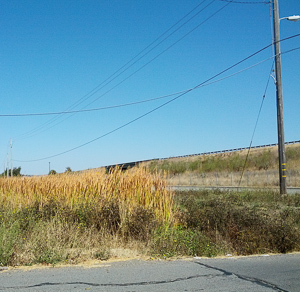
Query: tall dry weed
x,y
97,189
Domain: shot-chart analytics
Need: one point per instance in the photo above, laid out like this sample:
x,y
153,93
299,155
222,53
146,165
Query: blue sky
x,y
53,54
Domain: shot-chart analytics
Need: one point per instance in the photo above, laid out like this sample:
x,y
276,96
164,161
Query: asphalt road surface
x,y
261,273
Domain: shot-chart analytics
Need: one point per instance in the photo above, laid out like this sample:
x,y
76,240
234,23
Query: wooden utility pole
x,y
279,102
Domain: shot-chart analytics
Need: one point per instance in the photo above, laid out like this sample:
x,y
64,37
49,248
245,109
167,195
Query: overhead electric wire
x,y
264,95
150,50
125,79
246,2
258,116
165,50
151,111
141,101
160,105
107,80
136,71
169,48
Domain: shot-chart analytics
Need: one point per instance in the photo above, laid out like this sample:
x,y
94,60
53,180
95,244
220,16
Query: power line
x,y
155,109
201,84
141,101
259,112
113,77
136,102
246,2
106,81
165,50
125,67
151,111
86,110
143,66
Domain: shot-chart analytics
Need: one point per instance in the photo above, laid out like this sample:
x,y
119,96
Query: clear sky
x,y
60,55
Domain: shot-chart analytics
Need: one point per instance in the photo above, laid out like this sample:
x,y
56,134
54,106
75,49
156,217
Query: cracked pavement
x,y
274,273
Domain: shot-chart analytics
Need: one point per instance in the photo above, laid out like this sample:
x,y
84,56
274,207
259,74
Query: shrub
x,y
178,241
230,220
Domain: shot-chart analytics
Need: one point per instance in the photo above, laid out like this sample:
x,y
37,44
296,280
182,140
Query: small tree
x,y
16,172
52,171
68,169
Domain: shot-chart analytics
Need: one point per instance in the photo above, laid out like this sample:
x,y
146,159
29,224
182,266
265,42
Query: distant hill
x,y
256,159
236,167
257,167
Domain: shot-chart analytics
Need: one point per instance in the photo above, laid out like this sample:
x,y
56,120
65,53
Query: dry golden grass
x,y
94,215
74,217
260,179
226,169
136,187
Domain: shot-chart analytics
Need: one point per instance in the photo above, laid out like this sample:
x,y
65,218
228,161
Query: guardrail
x,y
127,165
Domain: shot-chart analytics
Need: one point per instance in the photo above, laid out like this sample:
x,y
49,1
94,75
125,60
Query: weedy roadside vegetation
x,y
250,222
74,217
230,162
257,168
